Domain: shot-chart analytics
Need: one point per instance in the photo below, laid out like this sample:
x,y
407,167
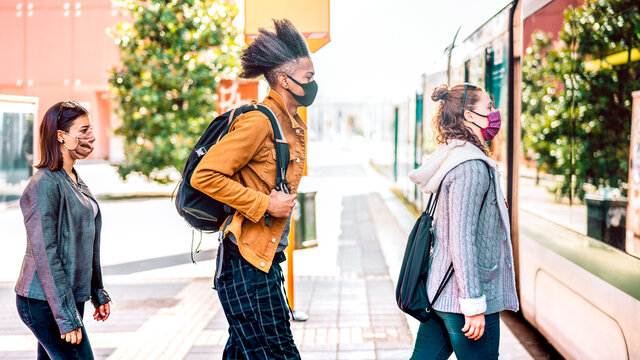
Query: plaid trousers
x,y
255,308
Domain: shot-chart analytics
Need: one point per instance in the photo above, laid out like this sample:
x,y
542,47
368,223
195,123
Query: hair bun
x,y
440,93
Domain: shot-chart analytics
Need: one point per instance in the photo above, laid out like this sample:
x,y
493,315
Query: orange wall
x,y
59,50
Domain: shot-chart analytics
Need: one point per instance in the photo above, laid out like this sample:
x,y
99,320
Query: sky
x,y
380,48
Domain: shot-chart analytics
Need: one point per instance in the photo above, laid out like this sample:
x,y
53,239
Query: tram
x,y
581,292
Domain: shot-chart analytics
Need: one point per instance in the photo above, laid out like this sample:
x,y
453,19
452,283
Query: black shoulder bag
x,y
411,290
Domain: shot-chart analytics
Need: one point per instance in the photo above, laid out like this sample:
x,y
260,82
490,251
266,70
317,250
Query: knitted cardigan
x,y
476,241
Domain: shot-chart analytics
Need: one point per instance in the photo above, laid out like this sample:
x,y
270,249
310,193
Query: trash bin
x,y
304,216
606,219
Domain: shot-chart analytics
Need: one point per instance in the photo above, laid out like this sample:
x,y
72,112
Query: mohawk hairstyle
x,y
273,52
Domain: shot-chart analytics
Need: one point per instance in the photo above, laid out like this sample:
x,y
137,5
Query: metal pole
x,y
297,315
513,135
292,239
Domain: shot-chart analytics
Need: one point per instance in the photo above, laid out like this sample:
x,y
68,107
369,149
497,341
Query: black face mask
x,y
310,92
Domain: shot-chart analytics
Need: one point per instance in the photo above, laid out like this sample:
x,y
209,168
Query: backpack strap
x,y
431,206
281,145
282,149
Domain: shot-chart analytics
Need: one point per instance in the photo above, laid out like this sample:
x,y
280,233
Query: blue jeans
x,y
37,315
442,334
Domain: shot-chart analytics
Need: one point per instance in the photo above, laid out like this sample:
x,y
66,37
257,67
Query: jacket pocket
x,y
63,246
268,173
24,310
487,281
487,274
263,165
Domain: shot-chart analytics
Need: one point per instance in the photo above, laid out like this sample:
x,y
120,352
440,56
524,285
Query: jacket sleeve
x,y
40,204
99,295
467,184
213,174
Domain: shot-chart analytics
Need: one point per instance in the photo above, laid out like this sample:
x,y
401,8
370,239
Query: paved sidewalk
x,y
352,314
164,307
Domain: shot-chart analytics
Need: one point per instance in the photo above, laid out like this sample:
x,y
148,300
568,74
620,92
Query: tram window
x,y
576,171
488,60
601,212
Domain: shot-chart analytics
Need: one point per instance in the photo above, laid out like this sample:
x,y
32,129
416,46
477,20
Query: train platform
x,y
164,307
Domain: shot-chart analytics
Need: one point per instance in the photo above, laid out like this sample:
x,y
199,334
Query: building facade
x,y
60,50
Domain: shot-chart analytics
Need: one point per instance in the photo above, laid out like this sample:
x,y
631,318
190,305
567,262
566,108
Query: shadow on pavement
x,y
157,263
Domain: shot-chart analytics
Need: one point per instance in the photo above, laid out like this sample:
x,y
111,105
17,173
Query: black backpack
x,y
203,212
411,290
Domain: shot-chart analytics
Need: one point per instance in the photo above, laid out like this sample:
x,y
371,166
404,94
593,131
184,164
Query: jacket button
x,y
297,160
262,264
273,240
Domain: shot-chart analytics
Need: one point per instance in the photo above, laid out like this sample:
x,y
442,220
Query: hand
x,y
281,204
73,336
474,326
102,313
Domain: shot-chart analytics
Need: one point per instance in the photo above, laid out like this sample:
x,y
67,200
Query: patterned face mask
x,y
490,131
84,145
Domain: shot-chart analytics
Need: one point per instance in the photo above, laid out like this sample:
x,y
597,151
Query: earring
x,y
62,141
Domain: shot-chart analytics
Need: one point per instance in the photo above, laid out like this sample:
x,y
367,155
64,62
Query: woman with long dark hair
x,y
61,267
472,231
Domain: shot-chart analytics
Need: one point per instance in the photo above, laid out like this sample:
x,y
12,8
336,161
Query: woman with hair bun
x,y
472,231
61,267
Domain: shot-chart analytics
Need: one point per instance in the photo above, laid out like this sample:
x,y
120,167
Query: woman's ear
x,y
60,137
466,114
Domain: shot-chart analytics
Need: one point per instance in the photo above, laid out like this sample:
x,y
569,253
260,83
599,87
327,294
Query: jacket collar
x,y
275,100
81,185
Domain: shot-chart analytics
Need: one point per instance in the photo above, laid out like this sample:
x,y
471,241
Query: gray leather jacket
x,y
62,261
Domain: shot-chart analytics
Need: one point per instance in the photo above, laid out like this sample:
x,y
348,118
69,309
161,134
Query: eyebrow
x,y
310,73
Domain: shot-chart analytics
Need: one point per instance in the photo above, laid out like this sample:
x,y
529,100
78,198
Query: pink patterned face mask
x,y
490,131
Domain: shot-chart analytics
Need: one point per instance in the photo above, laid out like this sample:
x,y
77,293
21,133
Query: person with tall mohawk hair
x,y
240,171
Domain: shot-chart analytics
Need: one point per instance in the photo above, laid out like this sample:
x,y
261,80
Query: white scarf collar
x,y
446,157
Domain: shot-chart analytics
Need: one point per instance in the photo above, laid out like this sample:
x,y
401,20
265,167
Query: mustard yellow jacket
x,y
240,171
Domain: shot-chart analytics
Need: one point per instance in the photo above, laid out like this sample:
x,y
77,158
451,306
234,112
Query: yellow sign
x,y
310,17
614,59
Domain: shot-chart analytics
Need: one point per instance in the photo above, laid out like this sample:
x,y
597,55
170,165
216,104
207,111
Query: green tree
x,y
576,111
541,130
174,54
